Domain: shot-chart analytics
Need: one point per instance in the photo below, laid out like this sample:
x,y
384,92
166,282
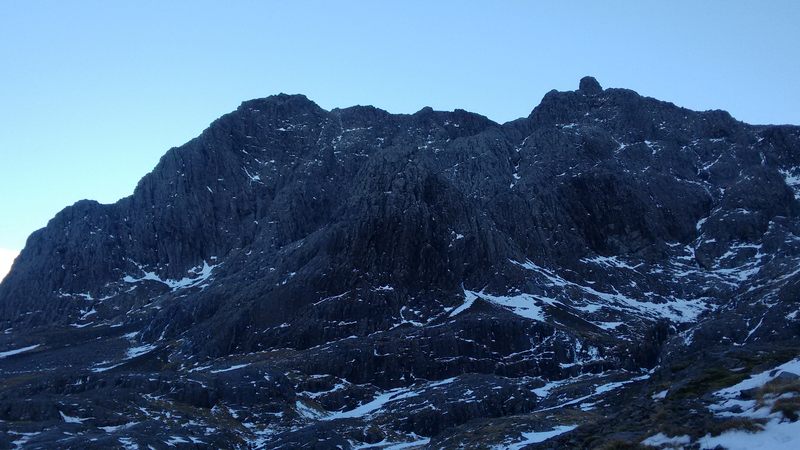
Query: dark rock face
x,y
302,277
589,86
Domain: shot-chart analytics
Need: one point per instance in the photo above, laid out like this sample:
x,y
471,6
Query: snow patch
x,y
524,305
776,435
102,369
127,443
534,437
253,178
140,350
759,379
793,181
469,299
609,261
389,445
308,412
677,310
176,440
112,429
236,367
376,404
201,273
18,351
20,443
70,419
660,395
660,439
608,325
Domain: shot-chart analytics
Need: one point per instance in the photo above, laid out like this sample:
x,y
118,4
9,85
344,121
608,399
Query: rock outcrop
x,y
302,277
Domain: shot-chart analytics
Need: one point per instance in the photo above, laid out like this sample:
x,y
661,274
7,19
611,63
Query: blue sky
x,y
93,93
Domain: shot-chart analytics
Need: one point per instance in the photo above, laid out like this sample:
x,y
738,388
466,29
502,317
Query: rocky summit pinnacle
x,y
599,273
590,86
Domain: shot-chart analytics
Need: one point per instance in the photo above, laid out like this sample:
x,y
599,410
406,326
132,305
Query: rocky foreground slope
x,y
592,275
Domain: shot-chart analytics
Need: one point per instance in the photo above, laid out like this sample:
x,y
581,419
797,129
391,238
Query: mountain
x,y
593,273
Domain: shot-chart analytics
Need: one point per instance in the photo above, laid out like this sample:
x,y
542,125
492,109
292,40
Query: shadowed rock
x,y
357,276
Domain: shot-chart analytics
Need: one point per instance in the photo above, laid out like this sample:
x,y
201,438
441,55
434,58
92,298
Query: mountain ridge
x,y
399,256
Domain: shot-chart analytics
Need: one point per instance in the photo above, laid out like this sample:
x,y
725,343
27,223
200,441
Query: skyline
x,y
97,93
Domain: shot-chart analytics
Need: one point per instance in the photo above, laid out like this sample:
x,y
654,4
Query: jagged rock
x,y
589,86
297,275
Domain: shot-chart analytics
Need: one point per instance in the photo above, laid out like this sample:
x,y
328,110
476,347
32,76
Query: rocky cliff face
x,y
301,277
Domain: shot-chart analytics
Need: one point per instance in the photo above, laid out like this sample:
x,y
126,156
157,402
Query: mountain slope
x,y
296,276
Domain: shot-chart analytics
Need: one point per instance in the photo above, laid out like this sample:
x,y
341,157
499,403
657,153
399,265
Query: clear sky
x,y
92,93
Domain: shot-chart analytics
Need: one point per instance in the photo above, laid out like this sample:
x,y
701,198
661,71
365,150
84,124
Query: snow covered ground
x,y
778,433
534,437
